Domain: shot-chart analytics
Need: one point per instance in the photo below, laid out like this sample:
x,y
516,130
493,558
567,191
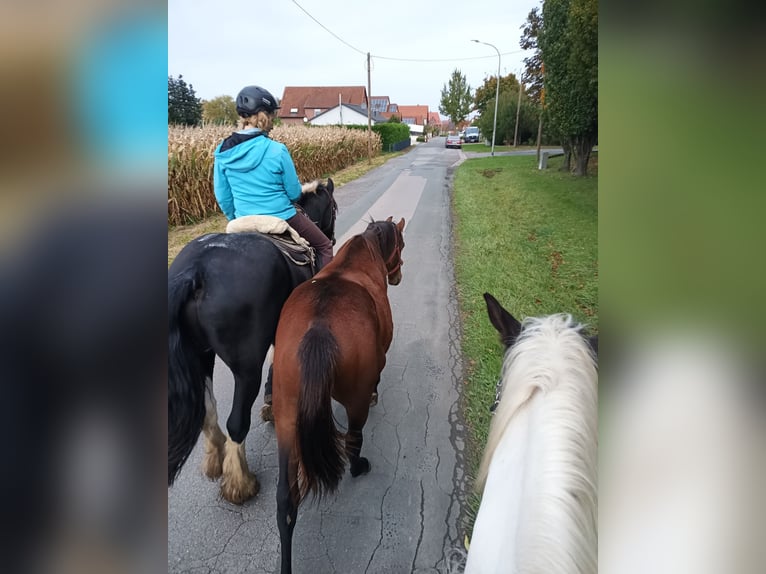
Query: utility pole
x,y
369,113
518,109
542,108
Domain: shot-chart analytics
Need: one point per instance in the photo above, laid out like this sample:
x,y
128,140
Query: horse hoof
x,y
361,466
241,489
267,414
374,399
212,465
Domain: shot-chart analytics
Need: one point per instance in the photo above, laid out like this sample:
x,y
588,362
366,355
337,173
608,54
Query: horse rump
x,y
322,454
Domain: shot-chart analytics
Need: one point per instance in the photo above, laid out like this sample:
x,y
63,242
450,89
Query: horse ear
x,y
330,185
400,225
505,324
390,218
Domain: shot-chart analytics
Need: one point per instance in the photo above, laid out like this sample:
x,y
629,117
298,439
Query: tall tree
x,y
568,44
532,76
184,107
456,98
221,110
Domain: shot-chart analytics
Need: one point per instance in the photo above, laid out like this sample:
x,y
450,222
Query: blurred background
x,y
82,289
681,243
82,286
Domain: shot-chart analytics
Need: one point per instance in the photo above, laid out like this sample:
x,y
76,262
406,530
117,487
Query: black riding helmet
x,y
252,99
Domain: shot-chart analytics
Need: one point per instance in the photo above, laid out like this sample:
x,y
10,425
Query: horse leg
x,y
287,505
357,417
374,397
212,464
238,483
267,415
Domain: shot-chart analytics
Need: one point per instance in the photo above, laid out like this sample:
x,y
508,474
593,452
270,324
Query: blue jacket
x,y
254,175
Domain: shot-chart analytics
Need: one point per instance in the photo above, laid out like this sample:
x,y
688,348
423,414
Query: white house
x,y
344,115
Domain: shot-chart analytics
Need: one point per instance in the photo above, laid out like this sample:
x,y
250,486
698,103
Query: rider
x,y
255,175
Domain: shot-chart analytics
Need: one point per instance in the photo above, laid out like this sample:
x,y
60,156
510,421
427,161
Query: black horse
x,y
225,294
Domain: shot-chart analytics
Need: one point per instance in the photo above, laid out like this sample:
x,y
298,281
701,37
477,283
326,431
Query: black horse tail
x,y
186,378
322,453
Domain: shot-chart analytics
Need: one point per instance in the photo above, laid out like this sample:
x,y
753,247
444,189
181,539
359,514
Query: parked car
x,y
471,135
453,140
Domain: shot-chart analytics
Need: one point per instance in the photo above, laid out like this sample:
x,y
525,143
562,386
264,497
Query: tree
x,y
456,98
221,110
506,117
532,76
485,94
568,42
184,107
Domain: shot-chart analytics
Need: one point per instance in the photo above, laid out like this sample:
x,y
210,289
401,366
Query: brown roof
x,y
308,98
433,118
418,113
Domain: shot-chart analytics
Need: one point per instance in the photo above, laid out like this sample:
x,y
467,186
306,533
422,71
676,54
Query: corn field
x,y
316,151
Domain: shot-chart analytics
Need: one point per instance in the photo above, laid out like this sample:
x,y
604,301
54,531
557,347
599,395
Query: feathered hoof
x,y
212,464
360,466
374,399
239,489
267,414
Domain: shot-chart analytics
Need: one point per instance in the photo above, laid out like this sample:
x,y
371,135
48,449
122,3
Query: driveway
x,y
403,516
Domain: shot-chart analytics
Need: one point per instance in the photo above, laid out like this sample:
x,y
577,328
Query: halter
x,y
396,253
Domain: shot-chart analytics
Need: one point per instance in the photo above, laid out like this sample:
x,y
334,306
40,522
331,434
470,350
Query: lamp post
x,y
497,92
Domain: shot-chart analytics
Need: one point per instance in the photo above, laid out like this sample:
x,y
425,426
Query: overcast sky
x,y
221,46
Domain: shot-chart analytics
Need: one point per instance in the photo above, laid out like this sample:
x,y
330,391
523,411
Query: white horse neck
x,y
538,511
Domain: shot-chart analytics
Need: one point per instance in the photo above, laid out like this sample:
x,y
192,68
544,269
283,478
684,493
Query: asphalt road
x,y
402,517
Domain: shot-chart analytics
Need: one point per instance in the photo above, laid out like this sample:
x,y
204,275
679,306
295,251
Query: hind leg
x,y
357,417
374,397
288,499
238,484
267,414
212,464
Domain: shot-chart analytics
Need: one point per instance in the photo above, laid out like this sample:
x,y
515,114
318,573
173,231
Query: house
x,y
344,115
379,103
301,104
413,115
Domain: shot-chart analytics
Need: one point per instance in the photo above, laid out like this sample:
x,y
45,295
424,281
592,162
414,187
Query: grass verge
x,y
482,147
180,235
529,237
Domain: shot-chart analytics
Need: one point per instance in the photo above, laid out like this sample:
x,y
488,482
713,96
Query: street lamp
x,y
497,92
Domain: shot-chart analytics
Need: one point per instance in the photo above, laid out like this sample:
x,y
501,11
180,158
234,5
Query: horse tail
x,y
186,378
322,454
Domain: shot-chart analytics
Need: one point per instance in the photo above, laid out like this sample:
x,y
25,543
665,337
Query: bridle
x,y
397,253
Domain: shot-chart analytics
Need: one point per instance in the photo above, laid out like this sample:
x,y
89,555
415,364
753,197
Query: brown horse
x,y
331,342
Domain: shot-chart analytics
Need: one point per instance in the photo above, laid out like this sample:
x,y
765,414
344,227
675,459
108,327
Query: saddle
x,y
294,247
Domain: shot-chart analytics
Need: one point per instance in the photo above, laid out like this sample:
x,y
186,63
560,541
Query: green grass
x,y
480,147
528,237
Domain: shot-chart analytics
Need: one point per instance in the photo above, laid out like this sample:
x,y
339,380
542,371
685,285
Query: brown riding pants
x,y
311,233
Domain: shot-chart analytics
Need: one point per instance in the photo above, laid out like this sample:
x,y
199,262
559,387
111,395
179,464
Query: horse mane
x,y
385,241
553,358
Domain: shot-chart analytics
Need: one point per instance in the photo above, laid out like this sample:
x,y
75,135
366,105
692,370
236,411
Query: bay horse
x,y
538,511
225,293
331,342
